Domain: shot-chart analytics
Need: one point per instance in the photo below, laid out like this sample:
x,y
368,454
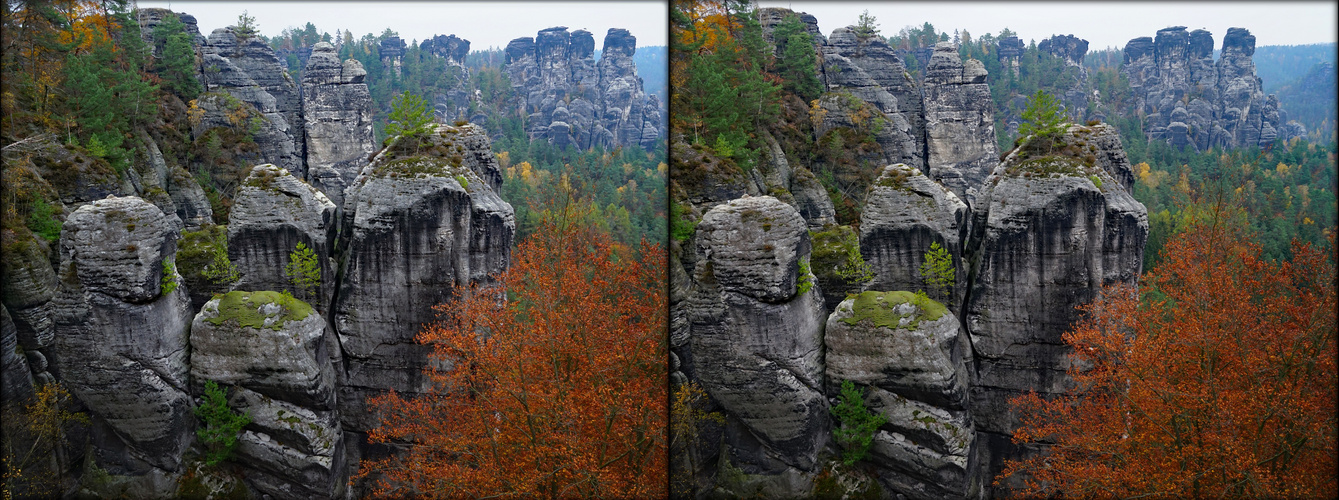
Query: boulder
x,y
910,356
122,317
755,333
1051,231
274,351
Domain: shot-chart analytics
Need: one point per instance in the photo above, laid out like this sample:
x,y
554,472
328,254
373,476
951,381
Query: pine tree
x,y
798,63
177,64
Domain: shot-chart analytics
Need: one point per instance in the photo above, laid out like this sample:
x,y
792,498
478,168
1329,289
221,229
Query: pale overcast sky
x,y
1103,24
484,24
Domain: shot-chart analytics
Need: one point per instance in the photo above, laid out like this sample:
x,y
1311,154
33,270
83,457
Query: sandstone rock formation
x,y
122,319
337,109
416,229
1048,234
272,212
904,214
913,360
454,103
959,122
755,334
247,70
572,99
870,71
1191,100
275,353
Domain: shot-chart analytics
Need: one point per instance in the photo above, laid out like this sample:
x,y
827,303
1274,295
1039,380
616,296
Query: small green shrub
x,y
806,281
464,183
221,425
680,227
937,271
169,280
304,269
1096,181
857,424
42,220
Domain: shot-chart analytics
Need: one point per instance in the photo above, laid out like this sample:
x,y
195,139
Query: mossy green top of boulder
x,y
880,308
246,308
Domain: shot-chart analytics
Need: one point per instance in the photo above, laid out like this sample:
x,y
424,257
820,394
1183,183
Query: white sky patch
x,y
484,24
1103,24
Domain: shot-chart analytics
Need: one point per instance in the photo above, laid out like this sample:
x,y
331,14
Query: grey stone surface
x,y
121,344
416,229
959,122
755,337
870,71
905,213
1191,100
283,377
1044,244
272,212
337,109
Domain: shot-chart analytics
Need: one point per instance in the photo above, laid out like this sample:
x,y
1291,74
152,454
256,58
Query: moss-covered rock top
x,y
440,153
263,309
894,310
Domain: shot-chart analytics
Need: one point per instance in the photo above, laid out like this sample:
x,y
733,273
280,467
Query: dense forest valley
x,y
317,266
934,264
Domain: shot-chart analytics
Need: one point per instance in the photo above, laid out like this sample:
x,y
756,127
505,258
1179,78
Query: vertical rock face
x,y
1191,100
1071,49
121,336
1044,243
914,363
392,53
870,71
904,214
419,224
756,333
274,352
337,108
454,103
571,99
1010,49
249,71
959,122
272,212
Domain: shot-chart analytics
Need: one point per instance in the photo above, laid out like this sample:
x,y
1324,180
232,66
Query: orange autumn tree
x,y
552,383
1221,384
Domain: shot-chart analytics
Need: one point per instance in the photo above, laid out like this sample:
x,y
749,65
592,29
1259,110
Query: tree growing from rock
x,y
410,116
1221,383
304,269
798,64
937,271
221,425
856,424
552,383
246,26
866,27
1043,119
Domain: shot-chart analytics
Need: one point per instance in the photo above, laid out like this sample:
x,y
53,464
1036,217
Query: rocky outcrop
x,y
454,103
391,52
572,99
870,71
959,122
1049,233
337,109
122,319
905,213
248,70
1010,48
27,289
272,213
913,359
420,223
755,334
276,353
1191,100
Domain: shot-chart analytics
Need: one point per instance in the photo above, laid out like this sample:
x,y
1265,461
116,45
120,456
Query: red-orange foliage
x,y
552,384
1223,386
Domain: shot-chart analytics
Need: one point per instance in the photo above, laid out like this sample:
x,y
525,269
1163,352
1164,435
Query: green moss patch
x,y
245,309
878,308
